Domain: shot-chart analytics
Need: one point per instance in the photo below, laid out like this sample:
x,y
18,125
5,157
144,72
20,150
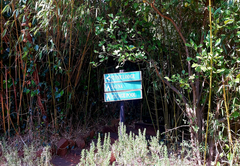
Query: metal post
x,y
121,106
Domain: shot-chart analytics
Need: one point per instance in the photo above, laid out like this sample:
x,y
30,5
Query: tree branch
x,y
179,32
169,85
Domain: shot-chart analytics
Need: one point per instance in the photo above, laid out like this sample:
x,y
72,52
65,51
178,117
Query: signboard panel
x,y
121,77
121,86
125,95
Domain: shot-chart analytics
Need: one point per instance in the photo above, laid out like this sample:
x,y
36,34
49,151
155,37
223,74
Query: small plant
x,y
99,155
131,149
10,155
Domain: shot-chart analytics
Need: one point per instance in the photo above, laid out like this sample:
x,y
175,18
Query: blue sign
x,y
121,86
122,77
126,95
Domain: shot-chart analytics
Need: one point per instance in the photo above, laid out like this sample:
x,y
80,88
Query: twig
x,y
175,129
23,142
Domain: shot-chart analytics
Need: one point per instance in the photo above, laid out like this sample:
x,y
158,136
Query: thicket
x,y
54,55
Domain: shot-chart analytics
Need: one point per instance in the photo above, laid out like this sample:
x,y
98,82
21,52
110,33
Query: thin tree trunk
x,y
8,110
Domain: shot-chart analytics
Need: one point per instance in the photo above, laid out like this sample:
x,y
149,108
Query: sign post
x,y
122,86
121,106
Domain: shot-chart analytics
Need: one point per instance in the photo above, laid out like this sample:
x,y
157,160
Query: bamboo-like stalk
x,y
53,93
51,74
21,90
174,103
161,60
15,95
1,63
58,24
227,112
174,116
86,106
70,54
82,58
9,90
8,110
1,27
19,47
166,121
210,85
1,96
31,118
163,99
15,92
155,106
145,94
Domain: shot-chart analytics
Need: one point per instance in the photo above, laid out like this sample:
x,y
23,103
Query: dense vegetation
x,y
54,55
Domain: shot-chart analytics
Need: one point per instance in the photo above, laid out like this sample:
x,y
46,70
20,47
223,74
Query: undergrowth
x,y
12,156
131,149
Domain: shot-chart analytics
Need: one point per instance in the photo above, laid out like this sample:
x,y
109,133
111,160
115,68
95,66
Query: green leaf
x,y
217,11
235,115
57,84
20,39
182,85
6,9
25,55
189,58
135,5
237,80
203,68
62,92
34,93
167,78
192,42
230,156
195,47
59,94
198,69
217,42
229,21
195,65
131,47
227,12
27,91
192,77
4,32
110,15
238,76
29,44
220,70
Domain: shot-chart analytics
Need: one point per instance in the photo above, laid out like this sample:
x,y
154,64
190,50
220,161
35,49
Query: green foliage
x,y
123,36
103,155
225,52
11,156
131,149
47,54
